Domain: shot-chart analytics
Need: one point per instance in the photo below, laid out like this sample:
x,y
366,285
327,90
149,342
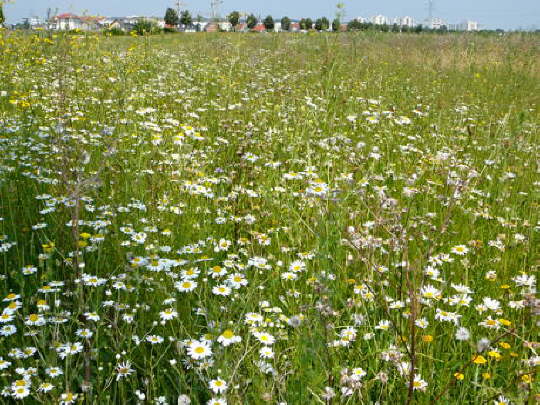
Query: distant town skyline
x,y
518,14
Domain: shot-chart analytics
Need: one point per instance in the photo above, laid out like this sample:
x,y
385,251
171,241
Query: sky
x,y
506,14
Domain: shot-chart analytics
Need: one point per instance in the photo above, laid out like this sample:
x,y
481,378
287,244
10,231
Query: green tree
x,y
251,21
269,23
306,24
2,18
355,25
185,18
234,19
285,23
171,17
144,26
336,24
322,24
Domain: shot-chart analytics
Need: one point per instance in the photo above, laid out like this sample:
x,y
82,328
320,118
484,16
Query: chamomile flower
x,y
217,401
228,337
68,398
185,285
460,250
45,387
168,314
266,353
419,383
154,339
20,392
54,372
198,350
222,290
218,386
265,338
123,370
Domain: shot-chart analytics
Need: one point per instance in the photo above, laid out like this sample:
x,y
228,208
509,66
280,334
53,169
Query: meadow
x,y
269,219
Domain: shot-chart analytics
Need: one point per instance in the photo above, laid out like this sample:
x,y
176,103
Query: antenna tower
x,y
214,4
430,13
179,4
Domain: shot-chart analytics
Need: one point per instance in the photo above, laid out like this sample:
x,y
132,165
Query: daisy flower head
x,y
154,339
419,383
218,386
357,373
20,392
460,250
198,350
217,401
228,338
123,370
266,352
68,398
222,290
45,387
265,338
185,285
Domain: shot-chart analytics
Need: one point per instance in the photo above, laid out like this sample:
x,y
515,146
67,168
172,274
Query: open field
x,y
269,219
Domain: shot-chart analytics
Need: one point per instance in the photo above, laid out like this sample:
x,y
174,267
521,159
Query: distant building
x,y
69,21
380,20
436,23
404,21
34,22
211,27
295,27
259,28
225,26
468,26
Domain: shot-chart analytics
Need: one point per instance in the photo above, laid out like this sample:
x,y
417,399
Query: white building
x,y
69,21
225,26
436,23
468,26
405,21
380,20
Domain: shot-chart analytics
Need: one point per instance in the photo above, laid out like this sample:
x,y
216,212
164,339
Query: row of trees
x,y
173,19
355,25
321,24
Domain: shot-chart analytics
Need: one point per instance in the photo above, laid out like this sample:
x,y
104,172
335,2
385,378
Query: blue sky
x,y
507,14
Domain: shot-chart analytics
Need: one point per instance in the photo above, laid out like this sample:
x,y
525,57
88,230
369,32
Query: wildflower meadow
x,y
333,218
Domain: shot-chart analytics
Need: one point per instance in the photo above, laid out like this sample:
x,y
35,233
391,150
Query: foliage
x,y
336,24
185,18
269,23
251,21
171,17
234,18
306,24
114,32
264,219
285,23
322,24
145,26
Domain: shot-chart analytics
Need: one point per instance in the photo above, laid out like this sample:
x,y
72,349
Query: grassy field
x,y
269,219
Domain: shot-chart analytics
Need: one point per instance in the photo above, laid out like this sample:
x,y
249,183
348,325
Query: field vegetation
x,y
269,219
